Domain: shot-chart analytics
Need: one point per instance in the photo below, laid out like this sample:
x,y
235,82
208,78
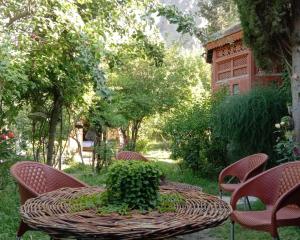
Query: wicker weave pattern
x,y
128,155
51,213
35,177
255,161
290,177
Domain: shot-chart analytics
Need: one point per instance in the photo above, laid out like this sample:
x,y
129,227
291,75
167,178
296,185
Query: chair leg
x,y
232,230
221,194
248,202
22,229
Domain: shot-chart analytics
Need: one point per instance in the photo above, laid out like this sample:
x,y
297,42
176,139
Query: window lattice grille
x,y
224,65
240,61
225,75
240,72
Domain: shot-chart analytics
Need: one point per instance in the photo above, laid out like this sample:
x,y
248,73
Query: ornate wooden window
x,y
231,62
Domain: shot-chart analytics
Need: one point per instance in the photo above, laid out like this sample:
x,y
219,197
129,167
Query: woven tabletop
x,y
50,213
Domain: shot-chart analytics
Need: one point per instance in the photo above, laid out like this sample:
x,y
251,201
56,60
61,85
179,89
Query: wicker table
x,y
50,213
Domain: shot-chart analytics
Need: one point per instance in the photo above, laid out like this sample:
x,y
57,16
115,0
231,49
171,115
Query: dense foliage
x,y
134,183
5,165
267,27
247,121
7,143
286,148
50,60
193,138
219,14
4,174
142,87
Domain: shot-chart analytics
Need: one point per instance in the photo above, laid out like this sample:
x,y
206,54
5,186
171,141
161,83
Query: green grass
x,y
174,173
9,207
9,216
222,232
287,233
85,174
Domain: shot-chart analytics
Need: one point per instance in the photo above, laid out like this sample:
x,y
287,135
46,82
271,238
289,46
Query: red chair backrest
x,y
288,178
249,166
128,155
35,178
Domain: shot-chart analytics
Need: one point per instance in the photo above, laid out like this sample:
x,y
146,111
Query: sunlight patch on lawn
x,y
161,156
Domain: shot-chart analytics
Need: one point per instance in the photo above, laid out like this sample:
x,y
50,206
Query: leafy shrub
x,y
100,202
7,147
5,177
142,145
287,151
129,185
193,140
105,151
7,153
134,183
247,121
4,173
286,148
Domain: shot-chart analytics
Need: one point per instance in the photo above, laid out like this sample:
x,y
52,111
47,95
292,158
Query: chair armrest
x,y
65,180
255,171
291,197
258,186
228,171
243,191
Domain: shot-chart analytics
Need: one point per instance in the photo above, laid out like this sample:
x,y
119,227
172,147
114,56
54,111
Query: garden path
x,y
202,235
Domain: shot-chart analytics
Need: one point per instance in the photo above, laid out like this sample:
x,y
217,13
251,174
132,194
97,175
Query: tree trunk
x,y
54,119
124,140
295,81
98,155
33,140
79,147
105,147
134,132
60,142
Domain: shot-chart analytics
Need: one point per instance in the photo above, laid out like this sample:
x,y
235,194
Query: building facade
x,y
233,64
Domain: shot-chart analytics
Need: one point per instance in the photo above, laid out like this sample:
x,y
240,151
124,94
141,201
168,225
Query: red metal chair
x,y
128,155
279,189
35,178
243,169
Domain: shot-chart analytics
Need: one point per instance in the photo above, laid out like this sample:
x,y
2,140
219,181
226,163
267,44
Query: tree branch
x,y
27,12
18,17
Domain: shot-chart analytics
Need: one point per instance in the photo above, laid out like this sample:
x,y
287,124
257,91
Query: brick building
x,y
233,63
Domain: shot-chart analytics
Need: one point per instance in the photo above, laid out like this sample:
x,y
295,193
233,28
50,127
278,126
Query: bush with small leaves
x,y
135,183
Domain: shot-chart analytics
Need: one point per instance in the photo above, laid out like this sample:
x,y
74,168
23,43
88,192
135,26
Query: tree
x,y
62,43
13,81
59,62
219,14
272,30
145,80
141,90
